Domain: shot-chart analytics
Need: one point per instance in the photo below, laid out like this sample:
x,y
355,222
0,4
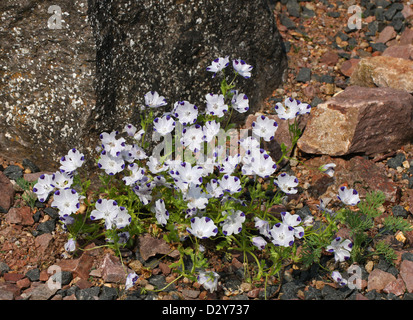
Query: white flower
x,y
161,214
144,192
130,129
160,180
123,218
137,152
211,129
44,186
259,242
107,210
261,164
62,180
123,237
348,196
208,165
196,197
127,154
137,174
289,111
202,227
218,65
341,249
154,100
229,164
214,189
338,278
110,164
264,127
215,105
138,135
286,183
131,280
230,184
73,160
188,174
322,207
249,144
208,279
293,220
303,108
66,201
193,137
155,166
242,68
263,226
111,145
186,112
282,235
70,245
328,168
240,102
233,222
163,125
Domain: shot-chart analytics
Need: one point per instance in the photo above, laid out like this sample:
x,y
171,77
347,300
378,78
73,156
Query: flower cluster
x,y
200,192
66,199
282,233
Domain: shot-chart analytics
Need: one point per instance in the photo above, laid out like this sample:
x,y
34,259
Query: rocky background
x,y
62,87
47,79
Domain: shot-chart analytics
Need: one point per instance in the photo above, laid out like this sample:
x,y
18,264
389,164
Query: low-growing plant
x,y
361,221
28,196
206,187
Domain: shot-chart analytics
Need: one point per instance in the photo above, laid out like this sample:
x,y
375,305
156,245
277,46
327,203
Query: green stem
x,y
159,290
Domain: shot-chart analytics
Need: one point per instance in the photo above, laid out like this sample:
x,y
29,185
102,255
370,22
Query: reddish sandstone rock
x,y
23,283
406,37
360,120
401,51
42,243
384,71
348,67
329,58
79,267
396,287
13,277
387,34
6,193
379,279
406,273
149,247
113,270
22,215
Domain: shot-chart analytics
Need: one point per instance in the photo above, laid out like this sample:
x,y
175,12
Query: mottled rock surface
x,y
360,120
167,46
46,78
401,51
384,71
65,84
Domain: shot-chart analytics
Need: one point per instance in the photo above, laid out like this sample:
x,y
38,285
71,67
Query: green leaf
x,y
370,205
384,249
224,87
397,223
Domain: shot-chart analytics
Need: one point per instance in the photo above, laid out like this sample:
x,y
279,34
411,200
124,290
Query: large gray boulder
x,y
47,70
65,86
166,46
